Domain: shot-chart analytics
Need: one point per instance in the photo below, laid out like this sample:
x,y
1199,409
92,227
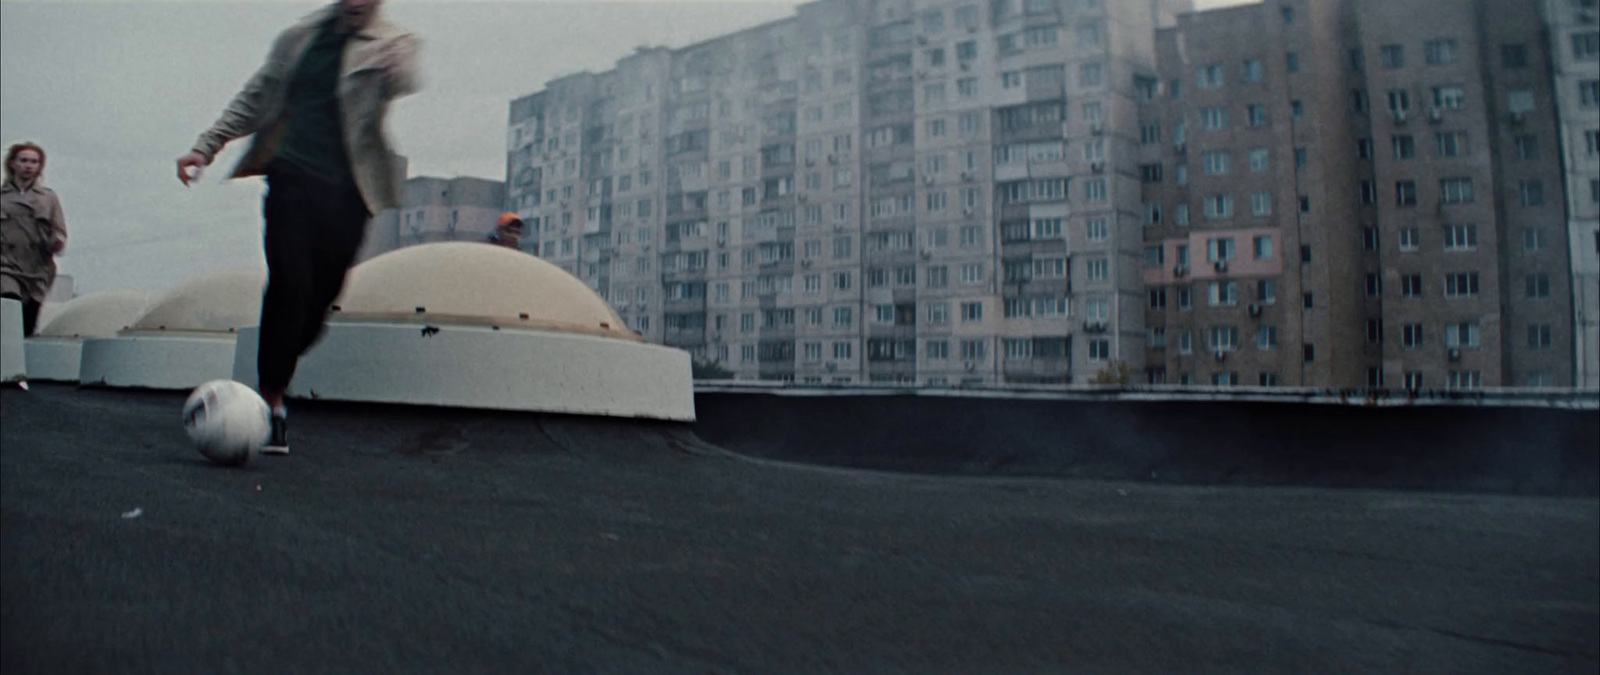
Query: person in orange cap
x,y
507,232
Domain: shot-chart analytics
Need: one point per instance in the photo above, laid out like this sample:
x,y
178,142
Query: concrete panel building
x,y
936,192
1574,44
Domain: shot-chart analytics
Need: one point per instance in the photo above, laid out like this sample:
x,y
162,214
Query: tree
x,y
1115,373
709,370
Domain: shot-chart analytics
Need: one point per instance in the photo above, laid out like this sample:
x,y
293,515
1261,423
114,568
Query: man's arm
x,y
242,117
401,66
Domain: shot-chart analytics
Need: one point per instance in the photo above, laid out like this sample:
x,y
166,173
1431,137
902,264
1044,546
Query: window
x,y
1222,338
1591,143
1411,285
1519,101
1267,291
1460,237
1266,337
1261,204
971,312
1439,52
1219,206
1399,102
1411,336
1463,335
1527,146
1410,239
1532,192
1098,269
1464,379
1216,162
1455,190
1308,353
974,350
1308,301
842,317
1096,229
1392,56
1451,144
1222,293
1262,247
1364,148
1514,56
1539,336
936,350
1257,115
1404,147
1451,97
1213,119
1374,286
1258,159
1586,46
1589,93
1252,70
1209,77
1089,75
1405,193
1537,286
1533,240
843,350
1219,249
1460,284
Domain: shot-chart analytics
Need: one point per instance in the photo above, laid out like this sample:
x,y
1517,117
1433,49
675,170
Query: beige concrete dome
x,y
97,315
215,302
464,282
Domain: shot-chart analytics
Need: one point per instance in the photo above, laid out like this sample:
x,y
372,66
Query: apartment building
x,y
1574,35
437,209
931,192
1352,198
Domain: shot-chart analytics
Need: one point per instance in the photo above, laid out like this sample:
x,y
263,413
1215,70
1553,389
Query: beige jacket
x,y
365,91
31,226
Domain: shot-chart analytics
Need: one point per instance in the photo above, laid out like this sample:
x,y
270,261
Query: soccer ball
x,y
227,421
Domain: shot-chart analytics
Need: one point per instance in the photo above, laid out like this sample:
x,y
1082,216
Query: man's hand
x,y
191,160
57,246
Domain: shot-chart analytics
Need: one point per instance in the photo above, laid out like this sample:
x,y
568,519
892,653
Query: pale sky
x,y
116,90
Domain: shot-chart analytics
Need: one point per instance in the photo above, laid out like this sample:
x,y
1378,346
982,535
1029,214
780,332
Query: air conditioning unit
x,y
966,65
1096,129
811,161
716,336
1518,117
832,366
838,227
970,366
806,263
1222,355
966,176
1180,148
1220,266
1454,354
802,197
1255,309
1094,326
922,39
1400,116
966,210
927,179
721,242
926,254
1180,270
833,159
1435,115
1098,167
645,247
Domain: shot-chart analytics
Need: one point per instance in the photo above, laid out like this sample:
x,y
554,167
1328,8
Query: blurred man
x,y
315,111
508,232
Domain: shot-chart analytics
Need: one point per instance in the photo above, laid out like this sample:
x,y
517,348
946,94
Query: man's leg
x,y
289,244
338,244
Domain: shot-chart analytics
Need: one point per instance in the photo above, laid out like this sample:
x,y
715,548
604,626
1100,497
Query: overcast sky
x,y
115,91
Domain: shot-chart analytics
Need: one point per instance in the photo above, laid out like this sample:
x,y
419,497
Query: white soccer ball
x,y
227,421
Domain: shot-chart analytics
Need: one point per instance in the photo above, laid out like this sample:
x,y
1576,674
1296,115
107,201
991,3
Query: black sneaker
x,y
278,444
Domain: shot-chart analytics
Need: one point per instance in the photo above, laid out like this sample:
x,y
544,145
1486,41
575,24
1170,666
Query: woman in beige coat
x,y
32,231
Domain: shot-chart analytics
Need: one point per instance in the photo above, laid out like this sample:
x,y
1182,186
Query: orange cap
x,y
510,218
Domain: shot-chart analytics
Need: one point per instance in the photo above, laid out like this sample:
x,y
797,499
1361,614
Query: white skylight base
x,y
54,359
13,357
479,366
157,361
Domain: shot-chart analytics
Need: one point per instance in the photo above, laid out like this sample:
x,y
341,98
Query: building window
x,y
1589,93
1465,379
1460,237
1374,331
1527,146
1405,193
1411,336
1404,147
1532,192
1537,286
1539,336
1586,46
1266,338
1410,239
1262,246
1257,115
1451,144
1411,286
1292,62
1252,70
1308,353
1392,56
1439,52
1461,284
1452,97
1514,56
1210,77
1455,190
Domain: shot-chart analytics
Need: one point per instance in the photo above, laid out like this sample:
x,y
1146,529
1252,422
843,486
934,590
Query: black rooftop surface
x,y
416,540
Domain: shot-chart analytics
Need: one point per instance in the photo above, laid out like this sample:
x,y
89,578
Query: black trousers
x,y
313,234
